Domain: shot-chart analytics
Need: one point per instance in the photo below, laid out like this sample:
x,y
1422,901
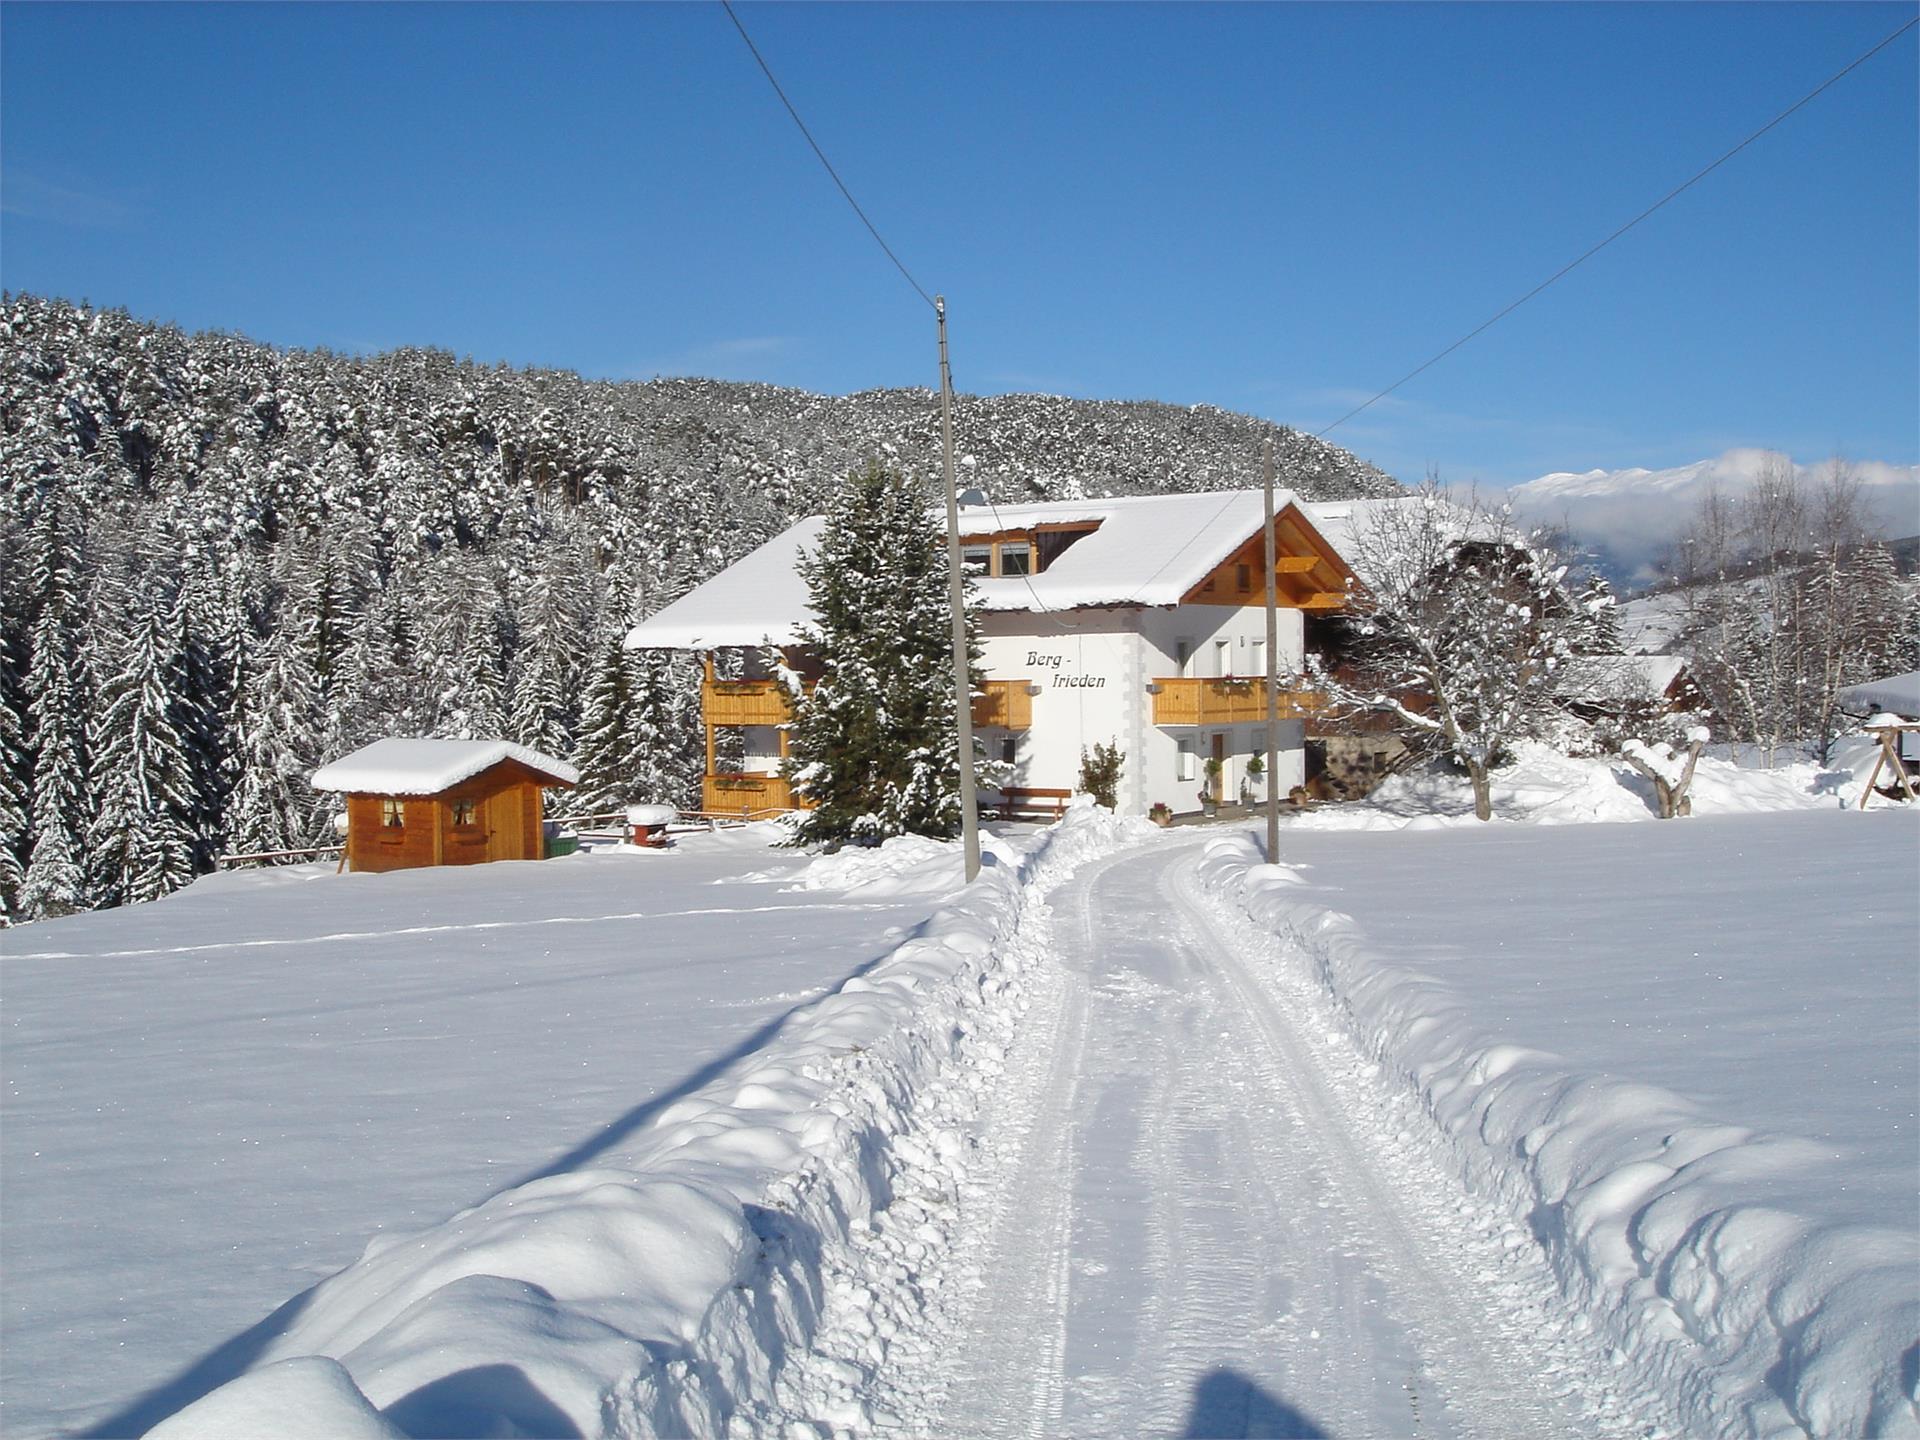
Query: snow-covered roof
x,y
426,767
1341,520
1899,694
1148,550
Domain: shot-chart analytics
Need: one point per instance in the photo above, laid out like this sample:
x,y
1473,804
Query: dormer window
x,y
1010,554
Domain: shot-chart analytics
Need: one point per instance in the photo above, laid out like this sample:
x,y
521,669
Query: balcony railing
x,y
736,793
745,702
1006,704
1226,701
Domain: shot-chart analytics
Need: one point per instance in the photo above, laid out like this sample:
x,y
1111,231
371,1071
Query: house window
x,y
1260,657
1016,559
1243,576
465,812
1260,743
1189,748
1183,657
976,559
392,813
1009,748
1222,657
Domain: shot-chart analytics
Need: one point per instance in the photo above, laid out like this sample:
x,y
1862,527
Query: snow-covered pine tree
x,y
203,713
273,807
140,844
608,766
58,698
873,745
15,774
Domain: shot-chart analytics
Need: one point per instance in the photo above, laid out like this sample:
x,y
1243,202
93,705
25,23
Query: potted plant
x,y
1250,783
1210,796
1160,813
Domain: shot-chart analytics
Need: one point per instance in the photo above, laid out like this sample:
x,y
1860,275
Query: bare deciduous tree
x,y
1460,625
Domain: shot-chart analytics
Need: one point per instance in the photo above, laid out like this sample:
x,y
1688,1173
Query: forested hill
x,y
223,562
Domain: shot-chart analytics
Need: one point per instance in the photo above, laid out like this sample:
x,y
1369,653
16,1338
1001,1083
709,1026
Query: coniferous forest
x,y
224,563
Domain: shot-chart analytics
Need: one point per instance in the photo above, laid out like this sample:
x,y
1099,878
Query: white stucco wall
x,y
1092,667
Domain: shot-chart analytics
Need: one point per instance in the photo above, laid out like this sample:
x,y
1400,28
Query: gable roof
x,y
1148,550
426,767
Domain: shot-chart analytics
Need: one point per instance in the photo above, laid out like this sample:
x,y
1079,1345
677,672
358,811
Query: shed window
x,y
1016,559
392,813
976,559
464,812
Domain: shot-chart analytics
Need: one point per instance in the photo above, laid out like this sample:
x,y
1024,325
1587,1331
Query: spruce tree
x,y
273,807
873,745
605,758
57,700
14,777
140,844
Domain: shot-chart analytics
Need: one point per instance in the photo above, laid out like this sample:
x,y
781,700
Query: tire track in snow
x,y
1495,1334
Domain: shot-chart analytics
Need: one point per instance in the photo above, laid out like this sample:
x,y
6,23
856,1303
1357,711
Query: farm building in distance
x,y
442,802
1138,621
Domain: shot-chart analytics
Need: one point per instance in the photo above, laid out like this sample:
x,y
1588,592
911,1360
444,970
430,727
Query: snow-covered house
x,y
1138,621
442,802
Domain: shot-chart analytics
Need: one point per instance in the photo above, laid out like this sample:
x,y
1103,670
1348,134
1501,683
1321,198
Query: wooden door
x,y
505,824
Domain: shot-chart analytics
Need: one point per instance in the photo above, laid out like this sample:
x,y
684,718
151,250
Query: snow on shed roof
x,y
426,767
1148,550
1897,694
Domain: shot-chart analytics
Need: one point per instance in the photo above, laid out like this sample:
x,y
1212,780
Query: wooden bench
x,y
1032,802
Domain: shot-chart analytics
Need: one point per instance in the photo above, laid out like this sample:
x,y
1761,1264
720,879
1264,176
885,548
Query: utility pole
x,y
957,596
1273,672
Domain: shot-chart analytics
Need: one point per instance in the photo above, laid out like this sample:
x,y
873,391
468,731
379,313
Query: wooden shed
x,y
442,802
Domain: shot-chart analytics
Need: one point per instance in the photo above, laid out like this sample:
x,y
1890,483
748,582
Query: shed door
x,y
506,825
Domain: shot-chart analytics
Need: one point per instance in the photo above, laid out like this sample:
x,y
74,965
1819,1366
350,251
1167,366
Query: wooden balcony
x,y
741,793
1006,705
744,702
1228,701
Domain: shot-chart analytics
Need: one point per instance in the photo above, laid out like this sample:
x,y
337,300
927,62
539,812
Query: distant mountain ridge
x,y
1629,517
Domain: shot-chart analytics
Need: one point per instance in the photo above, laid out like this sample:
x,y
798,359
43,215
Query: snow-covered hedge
x,y
664,1290
1661,1222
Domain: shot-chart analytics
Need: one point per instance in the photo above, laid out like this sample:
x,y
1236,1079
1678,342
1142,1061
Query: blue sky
x,y
1274,209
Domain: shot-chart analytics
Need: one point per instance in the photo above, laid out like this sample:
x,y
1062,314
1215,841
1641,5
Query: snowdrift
x,y
664,1290
1689,1240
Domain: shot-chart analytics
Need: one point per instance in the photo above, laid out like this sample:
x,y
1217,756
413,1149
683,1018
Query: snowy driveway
x,y
215,1100
1202,1234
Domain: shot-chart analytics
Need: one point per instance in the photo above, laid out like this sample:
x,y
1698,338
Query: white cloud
x,y
1631,516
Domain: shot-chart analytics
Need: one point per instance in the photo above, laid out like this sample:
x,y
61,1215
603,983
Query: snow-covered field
x,y
215,1100
1686,1054
1631,1105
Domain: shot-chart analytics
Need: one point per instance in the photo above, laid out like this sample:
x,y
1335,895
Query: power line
x,y
767,70
1672,194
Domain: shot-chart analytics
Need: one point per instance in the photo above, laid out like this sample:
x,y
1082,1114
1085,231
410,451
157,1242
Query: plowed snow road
x,y
1207,1226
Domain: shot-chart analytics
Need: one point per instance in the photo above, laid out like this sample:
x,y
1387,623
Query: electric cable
x,y
872,230
1587,255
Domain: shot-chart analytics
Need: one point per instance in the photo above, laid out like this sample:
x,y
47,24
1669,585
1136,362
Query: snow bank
x,y
662,1291
1729,1265
1543,787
